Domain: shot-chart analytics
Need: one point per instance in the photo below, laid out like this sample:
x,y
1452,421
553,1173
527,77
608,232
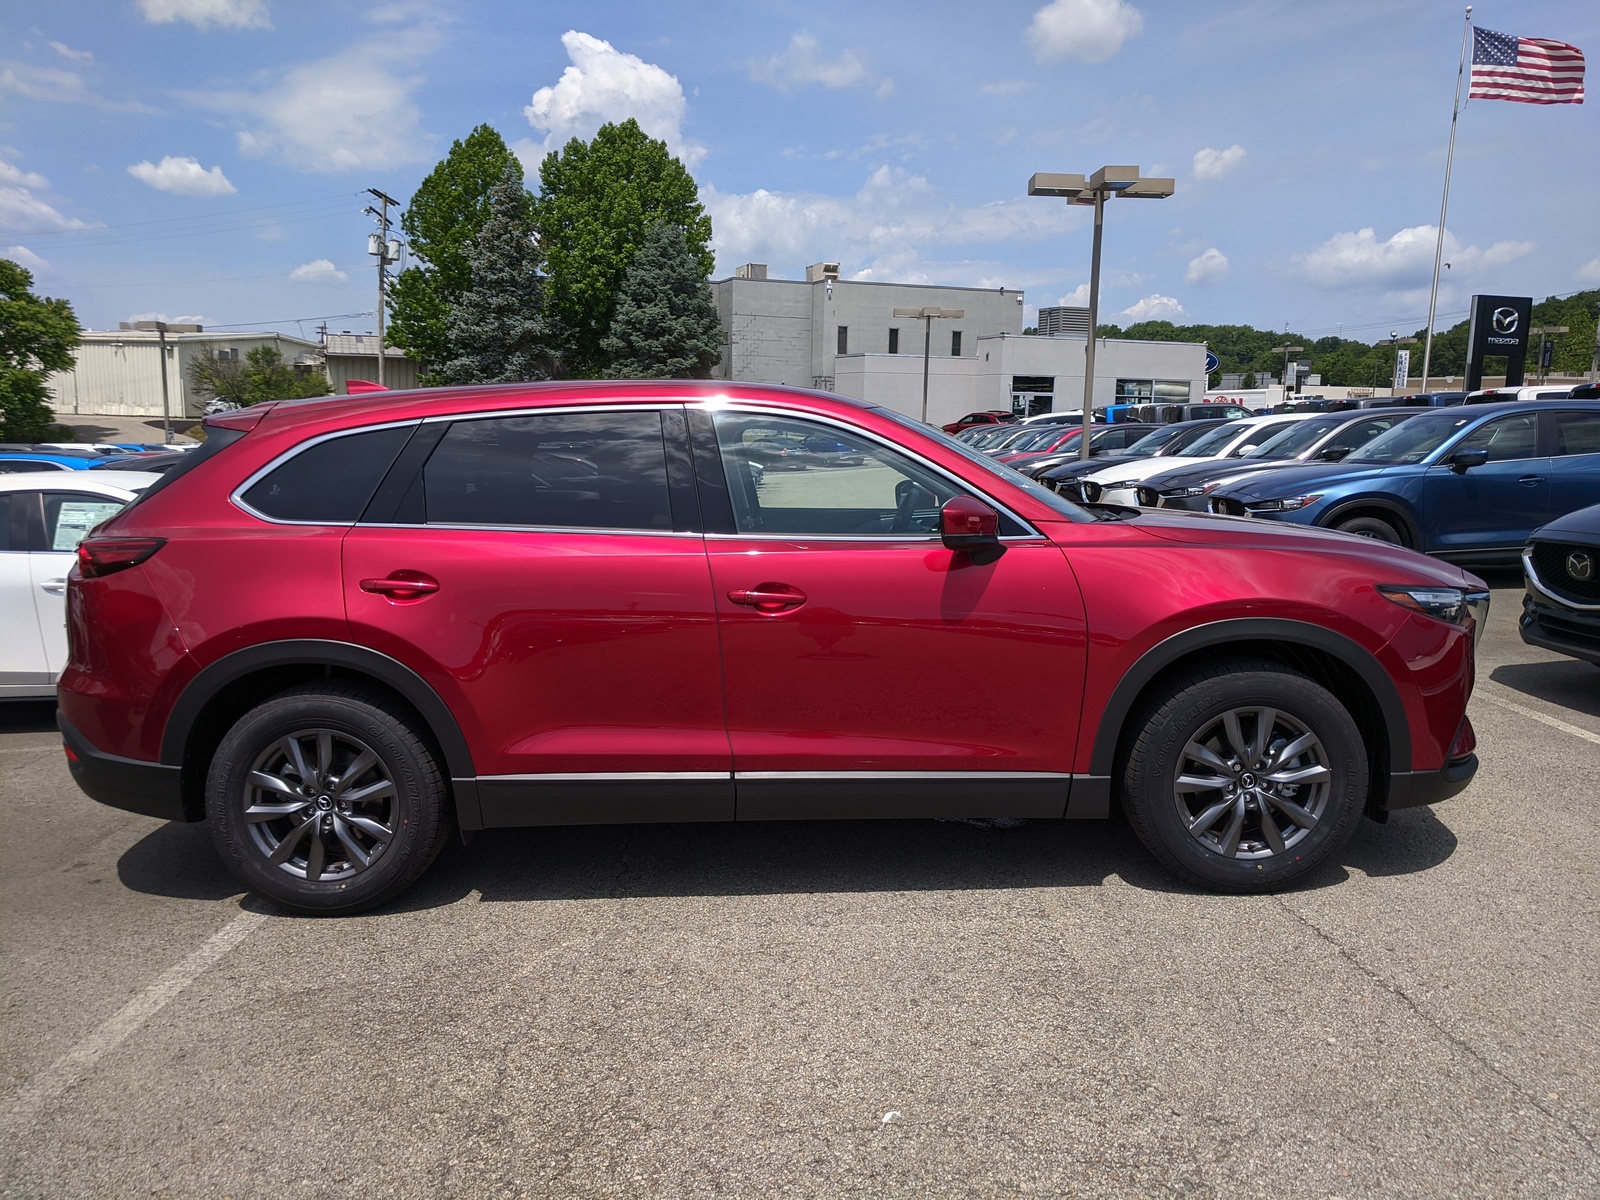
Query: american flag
x,y
1529,70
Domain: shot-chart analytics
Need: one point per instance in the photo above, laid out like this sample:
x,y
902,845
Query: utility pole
x,y
387,252
166,405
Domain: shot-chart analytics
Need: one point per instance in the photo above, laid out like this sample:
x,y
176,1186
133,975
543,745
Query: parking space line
x,y
1536,715
75,1063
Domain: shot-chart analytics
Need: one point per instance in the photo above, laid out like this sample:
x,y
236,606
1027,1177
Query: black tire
x,y
321,826
1193,713
1372,527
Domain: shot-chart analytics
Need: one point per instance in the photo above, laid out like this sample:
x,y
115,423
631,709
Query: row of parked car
x,y
1487,478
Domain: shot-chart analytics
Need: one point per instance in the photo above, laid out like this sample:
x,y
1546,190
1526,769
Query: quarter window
x,y
604,470
791,477
331,482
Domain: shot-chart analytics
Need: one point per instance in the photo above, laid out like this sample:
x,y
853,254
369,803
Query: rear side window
x,y
1577,433
69,516
5,522
604,470
330,482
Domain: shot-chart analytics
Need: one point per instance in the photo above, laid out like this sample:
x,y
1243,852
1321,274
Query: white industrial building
x,y
117,372
842,335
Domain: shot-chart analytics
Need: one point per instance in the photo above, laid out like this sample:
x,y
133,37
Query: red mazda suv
x,y
345,625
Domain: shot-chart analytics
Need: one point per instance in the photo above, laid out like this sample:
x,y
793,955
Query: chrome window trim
x,y
1538,584
236,497
730,405
620,530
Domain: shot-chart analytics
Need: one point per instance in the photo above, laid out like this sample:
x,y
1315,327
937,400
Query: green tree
x,y
37,336
666,324
597,200
261,377
443,218
497,328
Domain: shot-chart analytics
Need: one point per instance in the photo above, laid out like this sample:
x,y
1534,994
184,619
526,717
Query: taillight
x,y
1466,740
99,556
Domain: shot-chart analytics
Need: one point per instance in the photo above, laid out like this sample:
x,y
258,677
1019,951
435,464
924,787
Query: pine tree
x,y
497,330
666,324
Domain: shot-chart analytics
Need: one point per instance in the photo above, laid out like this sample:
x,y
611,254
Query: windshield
x,y
1300,436
1003,473
1153,440
1413,440
1214,442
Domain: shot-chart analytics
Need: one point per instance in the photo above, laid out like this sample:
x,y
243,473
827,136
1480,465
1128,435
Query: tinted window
x,y
603,470
1577,432
1506,438
1412,441
69,516
328,483
21,466
879,493
5,522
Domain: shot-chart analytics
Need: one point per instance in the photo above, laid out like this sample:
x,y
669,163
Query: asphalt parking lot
x,y
878,1009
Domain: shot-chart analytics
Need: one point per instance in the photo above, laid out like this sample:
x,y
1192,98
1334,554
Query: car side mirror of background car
x,y
1462,459
1333,453
966,523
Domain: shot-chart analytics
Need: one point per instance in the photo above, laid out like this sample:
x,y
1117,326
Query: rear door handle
x,y
402,585
769,597
56,587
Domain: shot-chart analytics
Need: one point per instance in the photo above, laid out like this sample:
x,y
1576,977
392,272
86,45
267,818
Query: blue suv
x,y
1462,483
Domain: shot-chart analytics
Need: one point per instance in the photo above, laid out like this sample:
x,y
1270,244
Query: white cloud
x,y
1005,87
1078,297
802,64
24,257
1359,260
1154,307
56,85
1211,266
67,51
349,112
1214,164
1589,272
318,270
605,85
184,176
204,14
24,212
883,232
1090,31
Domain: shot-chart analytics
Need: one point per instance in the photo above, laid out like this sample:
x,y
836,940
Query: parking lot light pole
x,y
1395,340
1095,190
1544,332
1286,351
166,404
926,316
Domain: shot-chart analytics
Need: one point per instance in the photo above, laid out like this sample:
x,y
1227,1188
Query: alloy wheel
x,y
320,804
1252,783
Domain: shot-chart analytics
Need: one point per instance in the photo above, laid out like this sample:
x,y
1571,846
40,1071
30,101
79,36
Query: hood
x,y
1296,480
1393,563
1143,468
1206,471
1581,526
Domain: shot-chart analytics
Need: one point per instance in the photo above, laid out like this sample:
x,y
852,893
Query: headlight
x,y
1117,487
1179,493
1286,505
1446,603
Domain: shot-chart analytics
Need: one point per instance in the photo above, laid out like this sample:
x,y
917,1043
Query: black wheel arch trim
x,y
1251,629
415,690
1345,508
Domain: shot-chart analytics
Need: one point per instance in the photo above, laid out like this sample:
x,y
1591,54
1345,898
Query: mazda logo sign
x,y
1580,566
1505,320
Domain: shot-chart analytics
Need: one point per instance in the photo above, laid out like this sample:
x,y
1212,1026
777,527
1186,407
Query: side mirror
x,y
1333,453
1463,459
968,524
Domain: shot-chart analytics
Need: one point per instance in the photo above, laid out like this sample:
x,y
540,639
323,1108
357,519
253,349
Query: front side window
x,y
1505,438
69,516
867,491
328,483
600,470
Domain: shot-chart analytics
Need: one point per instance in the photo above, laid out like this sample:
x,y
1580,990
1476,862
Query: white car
x,y
43,517
1234,439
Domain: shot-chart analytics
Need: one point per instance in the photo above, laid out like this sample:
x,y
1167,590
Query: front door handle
x,y
56,587
402,585
769,598
1531,480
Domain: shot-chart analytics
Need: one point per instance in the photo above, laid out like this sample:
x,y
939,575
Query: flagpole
x,y
1449,158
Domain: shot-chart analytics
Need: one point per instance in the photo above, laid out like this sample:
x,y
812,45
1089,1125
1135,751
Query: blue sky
x,y
205,158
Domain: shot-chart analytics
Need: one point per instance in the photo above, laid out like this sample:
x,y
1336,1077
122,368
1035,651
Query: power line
x,y
286,320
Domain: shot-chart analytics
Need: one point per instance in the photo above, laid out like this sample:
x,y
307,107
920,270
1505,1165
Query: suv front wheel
x,y
1245,776
325,799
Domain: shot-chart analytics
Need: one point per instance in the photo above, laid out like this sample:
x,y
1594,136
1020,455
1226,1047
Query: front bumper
x,y
153,789
1412,789
1553,626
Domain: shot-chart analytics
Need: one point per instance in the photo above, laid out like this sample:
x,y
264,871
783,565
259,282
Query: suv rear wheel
x,y
325,799
1245,776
